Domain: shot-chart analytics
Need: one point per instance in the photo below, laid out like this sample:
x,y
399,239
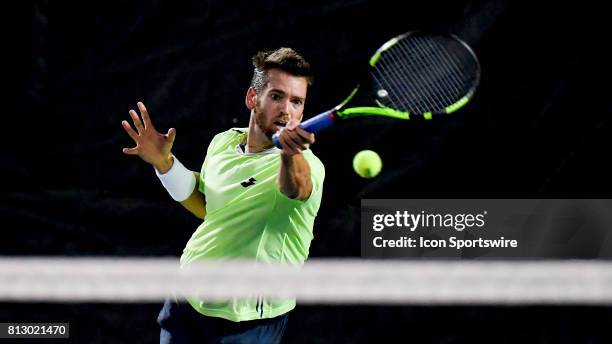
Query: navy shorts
x,y
180,323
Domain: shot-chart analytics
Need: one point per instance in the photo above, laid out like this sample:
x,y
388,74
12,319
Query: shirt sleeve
x,y
317,172
209,152
217,143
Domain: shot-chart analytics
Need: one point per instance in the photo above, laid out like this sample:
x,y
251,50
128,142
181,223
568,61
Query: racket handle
x,y
318,122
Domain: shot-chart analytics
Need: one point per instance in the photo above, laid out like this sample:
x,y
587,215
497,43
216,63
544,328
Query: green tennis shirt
x,y
248,217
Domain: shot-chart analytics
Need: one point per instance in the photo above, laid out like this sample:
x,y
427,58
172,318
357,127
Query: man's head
x,y
278,88
285,59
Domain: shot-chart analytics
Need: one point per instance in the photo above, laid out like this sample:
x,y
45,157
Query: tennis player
x,y
256,201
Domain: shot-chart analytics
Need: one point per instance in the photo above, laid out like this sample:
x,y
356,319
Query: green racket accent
x,y
365,111
458,104
385,46
348,98
427,115
375,59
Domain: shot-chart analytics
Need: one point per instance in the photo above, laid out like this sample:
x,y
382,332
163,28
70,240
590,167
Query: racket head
x,y
416,75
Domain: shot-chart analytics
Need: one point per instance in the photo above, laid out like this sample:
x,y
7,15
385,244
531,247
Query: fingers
x,y
294,141
131,151
137,121
306,135
133,135
130,131
171,135
145,116
289,146
293,126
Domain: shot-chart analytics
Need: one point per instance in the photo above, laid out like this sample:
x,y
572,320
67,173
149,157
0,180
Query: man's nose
x,y
286,111
288,108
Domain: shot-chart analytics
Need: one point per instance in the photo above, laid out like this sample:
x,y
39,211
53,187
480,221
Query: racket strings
x,y
395,82
451,76
391,79
440,72
459,65
389,99
424,74
411,61
424,93
440,80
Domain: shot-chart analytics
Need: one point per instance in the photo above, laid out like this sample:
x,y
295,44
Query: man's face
x,y
281,100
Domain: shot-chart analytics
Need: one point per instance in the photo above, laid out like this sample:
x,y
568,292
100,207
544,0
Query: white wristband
x,y
179,181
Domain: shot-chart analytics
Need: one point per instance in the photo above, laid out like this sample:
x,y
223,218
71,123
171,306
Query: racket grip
x,y
318,122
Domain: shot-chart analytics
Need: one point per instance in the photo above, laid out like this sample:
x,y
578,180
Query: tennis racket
x,y
414,75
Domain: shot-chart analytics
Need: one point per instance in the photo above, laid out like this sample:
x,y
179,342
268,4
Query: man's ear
x,y
251,98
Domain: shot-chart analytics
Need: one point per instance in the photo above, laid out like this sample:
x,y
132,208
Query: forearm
x,y
294,176
183,186
196,203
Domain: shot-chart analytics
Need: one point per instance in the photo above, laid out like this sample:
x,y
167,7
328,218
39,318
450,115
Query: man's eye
x,y
275,96
297,102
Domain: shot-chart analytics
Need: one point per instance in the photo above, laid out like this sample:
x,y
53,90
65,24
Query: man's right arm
x,y
156,149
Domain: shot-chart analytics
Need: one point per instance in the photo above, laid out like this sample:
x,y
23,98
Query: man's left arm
x,y
294,177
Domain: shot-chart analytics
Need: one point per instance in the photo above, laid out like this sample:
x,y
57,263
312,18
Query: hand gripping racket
x,y
414,75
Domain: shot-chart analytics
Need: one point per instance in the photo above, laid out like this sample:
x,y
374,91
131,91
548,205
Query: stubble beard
x,y
260,120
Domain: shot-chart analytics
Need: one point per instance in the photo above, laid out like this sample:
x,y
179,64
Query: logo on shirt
x,y
248,182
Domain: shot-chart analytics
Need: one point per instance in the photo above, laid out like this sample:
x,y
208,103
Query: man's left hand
x,y
294,139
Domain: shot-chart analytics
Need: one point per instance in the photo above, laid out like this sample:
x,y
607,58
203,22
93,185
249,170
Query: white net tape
x,y
321,281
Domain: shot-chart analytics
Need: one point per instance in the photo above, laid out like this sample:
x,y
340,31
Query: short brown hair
x,y
285,59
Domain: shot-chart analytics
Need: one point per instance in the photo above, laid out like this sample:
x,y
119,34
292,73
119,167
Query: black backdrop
x,y
538,128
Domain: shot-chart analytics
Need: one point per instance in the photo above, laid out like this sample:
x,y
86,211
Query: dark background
x,y
538,128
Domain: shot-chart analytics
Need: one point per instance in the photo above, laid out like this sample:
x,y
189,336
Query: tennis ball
x,y
367,163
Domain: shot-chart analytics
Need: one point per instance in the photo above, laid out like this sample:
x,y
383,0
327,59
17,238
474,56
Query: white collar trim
x,y
270,150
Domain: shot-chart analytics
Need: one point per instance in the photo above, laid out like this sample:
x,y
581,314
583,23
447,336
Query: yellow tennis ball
x,y
367,163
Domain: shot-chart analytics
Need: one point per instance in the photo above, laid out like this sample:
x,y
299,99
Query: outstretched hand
x,y
151,146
